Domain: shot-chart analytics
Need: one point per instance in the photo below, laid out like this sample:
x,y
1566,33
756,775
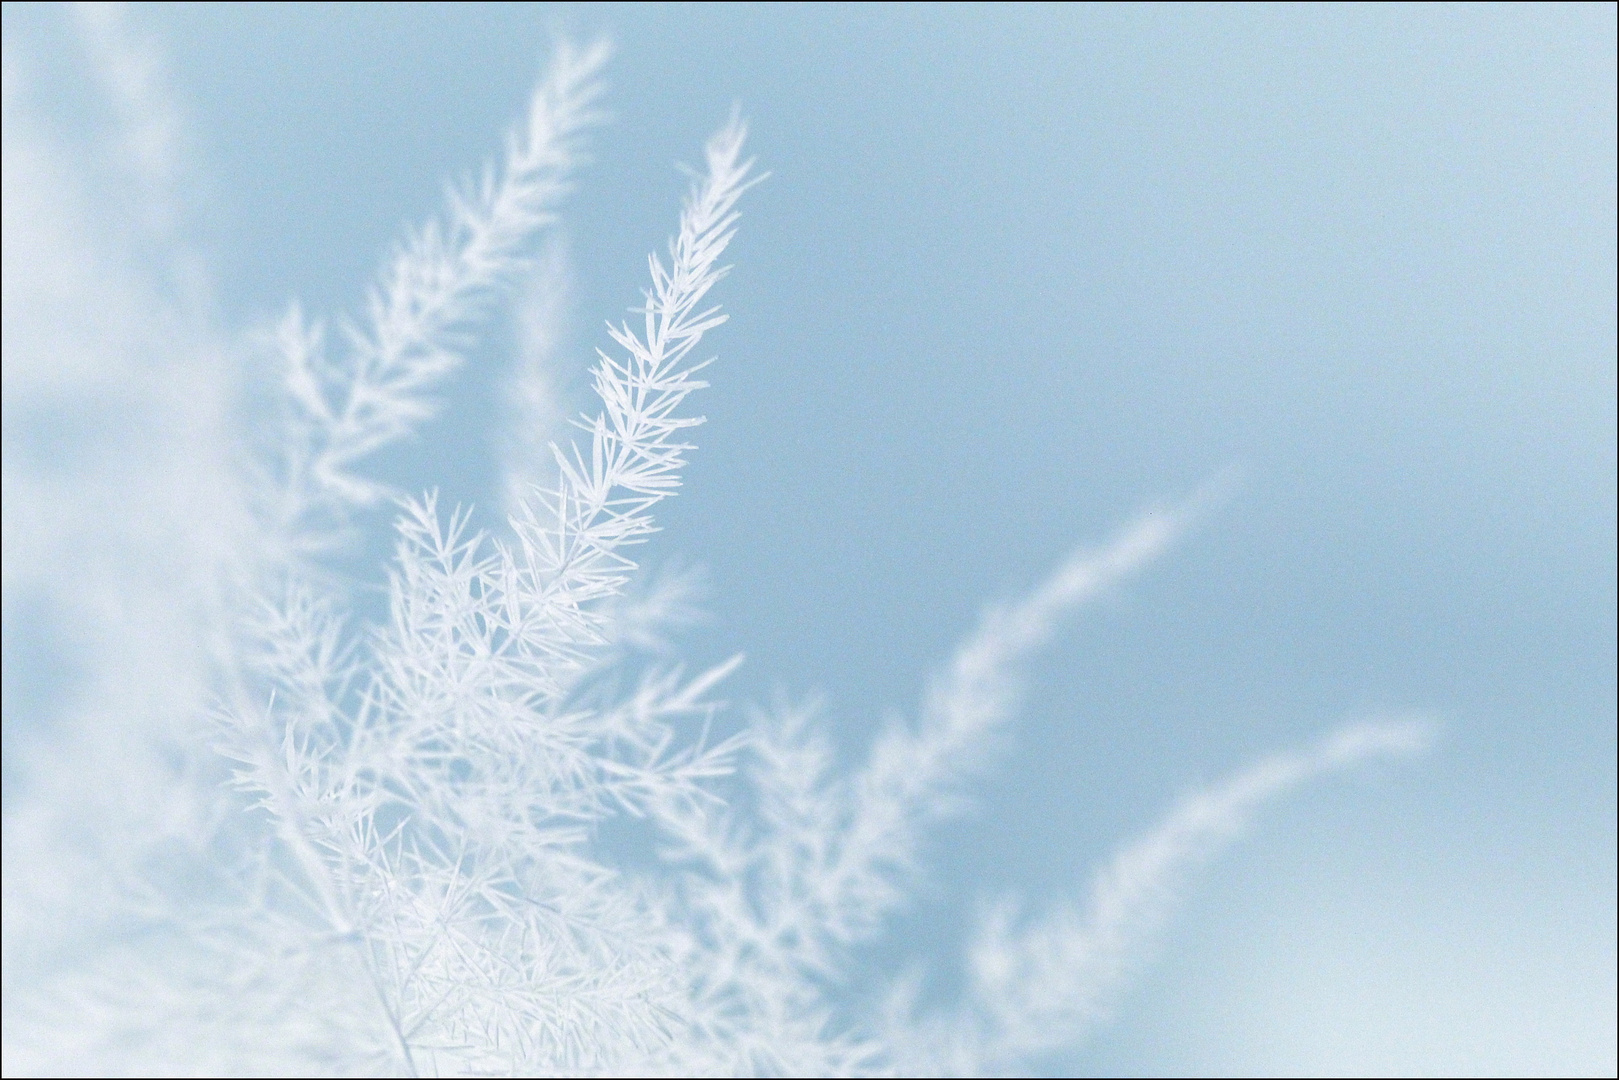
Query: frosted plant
x,y
402,869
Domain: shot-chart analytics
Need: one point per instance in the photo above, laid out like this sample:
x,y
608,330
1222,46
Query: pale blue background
x,y
1018,273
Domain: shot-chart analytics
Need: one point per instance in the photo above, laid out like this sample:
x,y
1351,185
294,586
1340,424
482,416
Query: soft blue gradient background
x,y
1018,273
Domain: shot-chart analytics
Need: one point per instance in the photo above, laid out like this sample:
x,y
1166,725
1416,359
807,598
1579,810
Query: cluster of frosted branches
x,y
429,804
412,877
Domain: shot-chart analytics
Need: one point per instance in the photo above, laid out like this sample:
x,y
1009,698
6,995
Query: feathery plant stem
x,y
911,773
571,536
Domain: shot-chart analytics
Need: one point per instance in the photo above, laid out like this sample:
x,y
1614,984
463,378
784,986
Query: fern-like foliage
x,y
427,798
405,874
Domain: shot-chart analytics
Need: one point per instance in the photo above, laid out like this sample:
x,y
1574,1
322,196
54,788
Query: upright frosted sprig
x,y
572,538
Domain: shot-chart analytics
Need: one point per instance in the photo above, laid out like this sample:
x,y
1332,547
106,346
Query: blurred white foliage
x,y
399,872
534,416
122,515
